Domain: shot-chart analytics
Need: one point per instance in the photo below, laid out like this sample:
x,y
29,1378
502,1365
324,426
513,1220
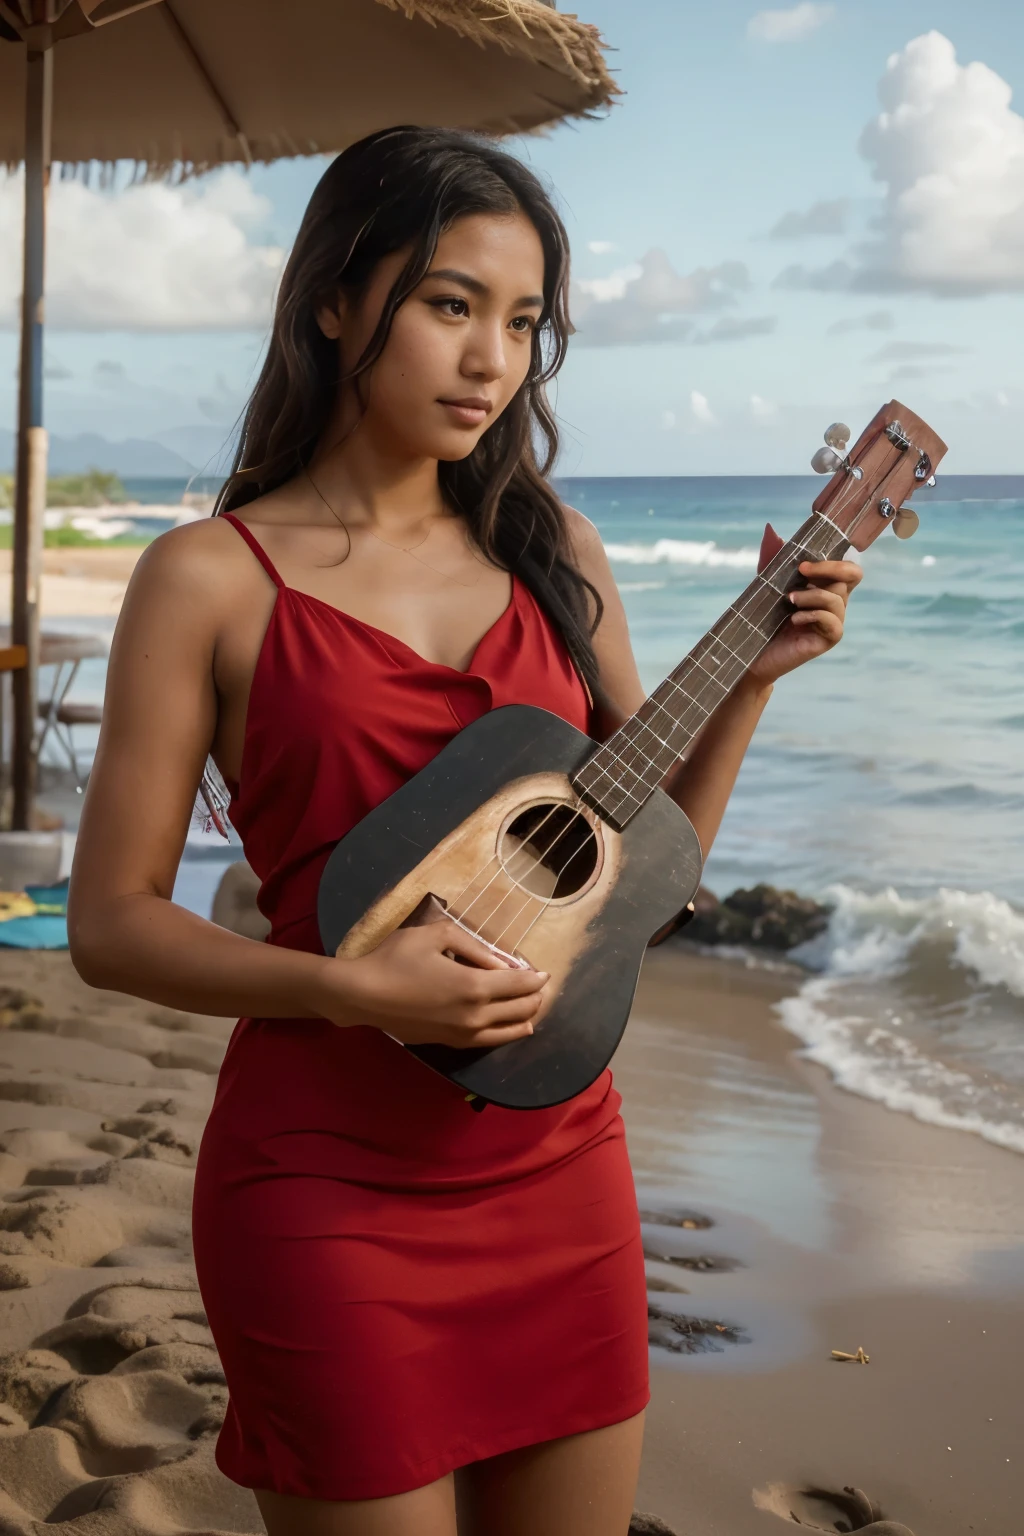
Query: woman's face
x,y
459,347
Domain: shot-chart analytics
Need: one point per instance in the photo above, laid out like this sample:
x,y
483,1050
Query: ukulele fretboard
x,y
629,766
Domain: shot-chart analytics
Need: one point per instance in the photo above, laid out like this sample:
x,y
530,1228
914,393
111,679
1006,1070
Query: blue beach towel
x,y
44,931
46,928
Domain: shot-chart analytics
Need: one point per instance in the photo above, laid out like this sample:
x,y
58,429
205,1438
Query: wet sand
x,y
855,1227
835,1224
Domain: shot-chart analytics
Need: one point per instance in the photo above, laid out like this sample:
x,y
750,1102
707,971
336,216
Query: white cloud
x,y
791,25
668,420
151,257
949,150
822,218
701,410
613,286
648,301
601,247
762,410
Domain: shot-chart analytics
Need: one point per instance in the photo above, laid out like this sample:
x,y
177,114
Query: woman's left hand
x,y
819,611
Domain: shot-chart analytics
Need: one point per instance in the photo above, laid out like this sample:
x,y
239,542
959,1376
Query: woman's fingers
x,y
450,936
820,608
828,625
495,1023
844,571
500,986
487,978
499,1035
819,598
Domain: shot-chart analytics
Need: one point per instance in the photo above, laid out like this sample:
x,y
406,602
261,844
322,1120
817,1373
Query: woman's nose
x,y
485,356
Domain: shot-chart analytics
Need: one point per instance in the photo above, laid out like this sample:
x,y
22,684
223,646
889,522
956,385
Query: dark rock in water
x,y
762,917
648,1525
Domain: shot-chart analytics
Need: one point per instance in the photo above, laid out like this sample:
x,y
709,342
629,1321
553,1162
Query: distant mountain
x,y
134,456
208,449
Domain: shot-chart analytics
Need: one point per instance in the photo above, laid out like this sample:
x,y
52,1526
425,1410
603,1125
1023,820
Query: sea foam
x,y
910,992
681,552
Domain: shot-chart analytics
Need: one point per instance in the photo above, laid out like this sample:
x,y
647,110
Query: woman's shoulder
x,y
203,559
587,546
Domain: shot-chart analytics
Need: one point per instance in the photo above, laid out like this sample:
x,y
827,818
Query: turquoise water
x,y
896,758
885,777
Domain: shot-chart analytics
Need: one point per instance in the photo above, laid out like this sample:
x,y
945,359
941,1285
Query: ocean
x,y
884,779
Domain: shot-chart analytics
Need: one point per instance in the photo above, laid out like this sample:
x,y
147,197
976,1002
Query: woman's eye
x,y
457,307
522,323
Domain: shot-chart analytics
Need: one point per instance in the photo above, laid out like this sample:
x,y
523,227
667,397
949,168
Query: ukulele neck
x,y
627,768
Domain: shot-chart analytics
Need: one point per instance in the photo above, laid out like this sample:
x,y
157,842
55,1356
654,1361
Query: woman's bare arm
x,y
159,717
702,784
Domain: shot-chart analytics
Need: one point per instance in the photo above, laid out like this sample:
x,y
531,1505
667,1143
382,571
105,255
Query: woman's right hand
x,y
412,989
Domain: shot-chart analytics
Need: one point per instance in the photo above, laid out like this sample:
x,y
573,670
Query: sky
x,y
791,215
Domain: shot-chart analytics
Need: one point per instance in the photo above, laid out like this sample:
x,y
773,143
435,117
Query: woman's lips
x,y
468,413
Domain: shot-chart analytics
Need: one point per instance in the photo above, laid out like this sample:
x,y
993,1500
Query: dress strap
x,y
256,547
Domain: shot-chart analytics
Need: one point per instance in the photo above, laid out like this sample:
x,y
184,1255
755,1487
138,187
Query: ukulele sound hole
x,y
550,850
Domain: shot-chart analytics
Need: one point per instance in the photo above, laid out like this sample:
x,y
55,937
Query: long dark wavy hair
x,y
401,189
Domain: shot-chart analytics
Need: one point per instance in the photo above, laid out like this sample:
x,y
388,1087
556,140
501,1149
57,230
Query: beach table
x,y
65,654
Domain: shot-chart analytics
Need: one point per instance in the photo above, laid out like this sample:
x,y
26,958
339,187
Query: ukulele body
x,y
486,829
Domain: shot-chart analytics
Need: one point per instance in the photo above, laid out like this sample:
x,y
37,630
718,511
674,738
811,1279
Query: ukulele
x,y
564,854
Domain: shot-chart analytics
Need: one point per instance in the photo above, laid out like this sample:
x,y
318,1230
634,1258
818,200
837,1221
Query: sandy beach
x,y
77,583
817,1221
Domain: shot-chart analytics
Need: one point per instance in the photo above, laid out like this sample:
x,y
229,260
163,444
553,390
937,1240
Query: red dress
x,y
397,1285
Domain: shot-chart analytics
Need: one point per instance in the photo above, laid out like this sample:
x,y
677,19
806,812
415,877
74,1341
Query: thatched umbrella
x,y
185,85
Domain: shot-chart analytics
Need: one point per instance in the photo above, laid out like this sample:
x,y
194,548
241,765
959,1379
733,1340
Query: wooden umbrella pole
x,y
30,470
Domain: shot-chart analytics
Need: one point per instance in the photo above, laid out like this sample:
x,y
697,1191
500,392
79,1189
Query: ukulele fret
x,y
627,768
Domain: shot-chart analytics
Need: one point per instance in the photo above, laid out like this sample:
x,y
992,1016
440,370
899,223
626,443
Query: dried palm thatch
x,y
559,40
182,86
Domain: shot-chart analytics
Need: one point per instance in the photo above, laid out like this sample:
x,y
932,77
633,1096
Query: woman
x,y
429,1319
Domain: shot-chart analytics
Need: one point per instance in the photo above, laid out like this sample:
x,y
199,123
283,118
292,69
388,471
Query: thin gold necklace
x,y
402,548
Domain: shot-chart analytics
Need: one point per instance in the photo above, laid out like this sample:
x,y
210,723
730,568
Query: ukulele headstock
x,y
894,456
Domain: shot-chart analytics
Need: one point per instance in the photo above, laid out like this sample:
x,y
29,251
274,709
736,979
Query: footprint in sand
x,y
689,1220
704,1263
690,1335
822,1509
128,1383
110,1409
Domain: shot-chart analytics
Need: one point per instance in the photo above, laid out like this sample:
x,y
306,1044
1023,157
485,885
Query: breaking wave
x,y
918,1003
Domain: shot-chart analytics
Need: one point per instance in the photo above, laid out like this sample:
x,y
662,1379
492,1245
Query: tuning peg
x,y
838,435
906,523
826,461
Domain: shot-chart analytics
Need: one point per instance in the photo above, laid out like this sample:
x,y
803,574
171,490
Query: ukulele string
x,y
577,816
494,858
843,500
545,901
532,896
539,858
771,569
545,852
